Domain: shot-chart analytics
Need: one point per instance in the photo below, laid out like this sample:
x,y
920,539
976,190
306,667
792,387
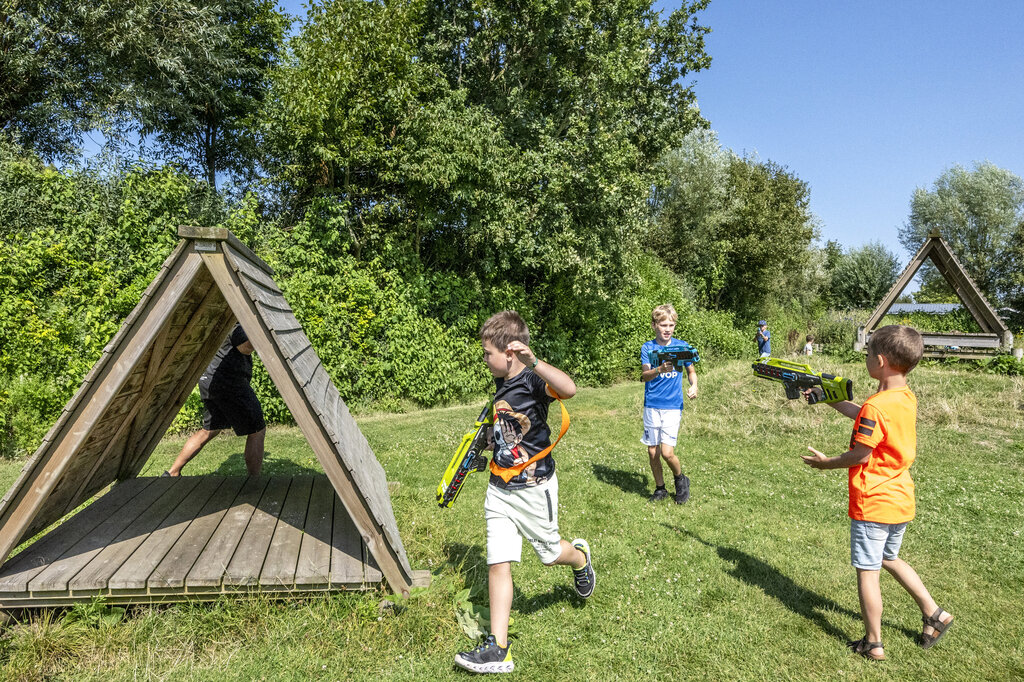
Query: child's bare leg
x,y
193,445
907,577
254,451
570,556
499,588
870,604
655,457
669,453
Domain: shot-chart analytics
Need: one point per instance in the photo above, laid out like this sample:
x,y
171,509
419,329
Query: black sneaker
x,y
584,579
486,658
659,494
166,474
682,489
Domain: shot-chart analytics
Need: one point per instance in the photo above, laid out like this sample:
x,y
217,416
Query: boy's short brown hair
x,y
902,346
503,328
665,311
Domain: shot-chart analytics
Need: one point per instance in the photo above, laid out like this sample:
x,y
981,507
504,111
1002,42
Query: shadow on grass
x,y
471,561
560,594
468,559
234,465
775,584
627,481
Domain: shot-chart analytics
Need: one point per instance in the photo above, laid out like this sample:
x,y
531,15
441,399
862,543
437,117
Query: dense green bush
x,y
953,321
1002,364
77,249
80,246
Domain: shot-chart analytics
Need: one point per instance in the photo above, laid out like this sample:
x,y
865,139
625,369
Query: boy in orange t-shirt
x,y
882,448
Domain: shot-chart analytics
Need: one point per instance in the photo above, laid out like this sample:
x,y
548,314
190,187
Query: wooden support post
x,y
20,512
245,310
137,452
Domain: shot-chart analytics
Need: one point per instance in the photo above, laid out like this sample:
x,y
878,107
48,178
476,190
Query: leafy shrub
x,y
1002,364
77,249
953,321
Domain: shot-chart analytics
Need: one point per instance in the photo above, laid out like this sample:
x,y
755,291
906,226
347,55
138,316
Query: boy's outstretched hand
x,y
816,460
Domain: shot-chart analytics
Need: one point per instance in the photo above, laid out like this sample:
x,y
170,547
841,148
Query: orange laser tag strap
x,y
507,474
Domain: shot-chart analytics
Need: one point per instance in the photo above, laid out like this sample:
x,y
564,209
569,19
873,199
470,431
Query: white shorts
x,y
661,426
530,513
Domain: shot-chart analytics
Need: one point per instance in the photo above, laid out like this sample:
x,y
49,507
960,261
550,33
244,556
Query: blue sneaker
x,y
584,578
486,658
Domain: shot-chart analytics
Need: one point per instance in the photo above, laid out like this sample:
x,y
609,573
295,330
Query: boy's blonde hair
x,y
810,337
664,311
902,346
503,328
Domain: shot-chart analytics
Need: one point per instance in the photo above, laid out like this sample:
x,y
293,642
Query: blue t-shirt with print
x,y
665,391
764,346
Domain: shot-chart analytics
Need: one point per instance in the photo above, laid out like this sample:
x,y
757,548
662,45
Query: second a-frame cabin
x,y
995,335
165,539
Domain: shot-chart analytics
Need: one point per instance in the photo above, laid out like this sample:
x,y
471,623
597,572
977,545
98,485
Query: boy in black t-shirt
x,y
229,402
522,497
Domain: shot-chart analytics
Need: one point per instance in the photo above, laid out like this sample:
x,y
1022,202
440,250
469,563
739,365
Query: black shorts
x,y
239,410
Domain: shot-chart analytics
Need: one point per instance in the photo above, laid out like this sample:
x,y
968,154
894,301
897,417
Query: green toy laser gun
x,y
796,377
466,460
677,355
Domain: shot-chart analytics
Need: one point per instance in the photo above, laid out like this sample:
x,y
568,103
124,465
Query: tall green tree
x,y
738,229
484,139
980,214
69,66
692,208
209,123
338,121
585,98
863,275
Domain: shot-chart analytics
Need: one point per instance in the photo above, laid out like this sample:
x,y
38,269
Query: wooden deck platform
x,y
195,537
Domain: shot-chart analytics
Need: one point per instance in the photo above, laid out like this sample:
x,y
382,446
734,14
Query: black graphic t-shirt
x,y
230,371
521,429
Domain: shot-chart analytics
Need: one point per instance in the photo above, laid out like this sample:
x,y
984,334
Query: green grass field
x,y
749,580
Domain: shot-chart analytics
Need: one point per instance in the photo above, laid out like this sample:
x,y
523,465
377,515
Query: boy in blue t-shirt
x,y
764,339
663,404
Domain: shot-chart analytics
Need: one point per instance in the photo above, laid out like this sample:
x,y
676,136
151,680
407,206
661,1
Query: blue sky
x,y
866,100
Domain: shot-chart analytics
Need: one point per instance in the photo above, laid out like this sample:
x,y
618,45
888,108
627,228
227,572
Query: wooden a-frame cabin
x,y
995,335
151,539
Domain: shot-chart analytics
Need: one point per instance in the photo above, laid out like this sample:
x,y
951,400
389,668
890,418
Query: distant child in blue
x,y
663,404
764,339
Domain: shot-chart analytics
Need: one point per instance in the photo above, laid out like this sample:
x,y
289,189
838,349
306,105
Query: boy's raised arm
x,y
559,381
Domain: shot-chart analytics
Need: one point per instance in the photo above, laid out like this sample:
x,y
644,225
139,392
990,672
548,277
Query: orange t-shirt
x,y
881,489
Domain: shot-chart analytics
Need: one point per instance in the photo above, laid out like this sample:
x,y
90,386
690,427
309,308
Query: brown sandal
x,y
935,623
866,649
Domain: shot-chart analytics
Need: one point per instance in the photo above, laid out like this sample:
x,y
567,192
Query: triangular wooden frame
x,y
995,334
127,401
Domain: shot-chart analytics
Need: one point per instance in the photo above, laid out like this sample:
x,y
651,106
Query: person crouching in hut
x,y
229,402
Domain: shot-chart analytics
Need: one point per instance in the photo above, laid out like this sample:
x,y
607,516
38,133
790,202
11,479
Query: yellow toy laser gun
x,y
677,355
796,377
466,460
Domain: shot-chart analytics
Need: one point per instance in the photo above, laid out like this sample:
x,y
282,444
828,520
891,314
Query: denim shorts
x,y
871,542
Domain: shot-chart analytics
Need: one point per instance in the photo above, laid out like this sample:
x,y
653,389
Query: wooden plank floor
x,y
194,537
